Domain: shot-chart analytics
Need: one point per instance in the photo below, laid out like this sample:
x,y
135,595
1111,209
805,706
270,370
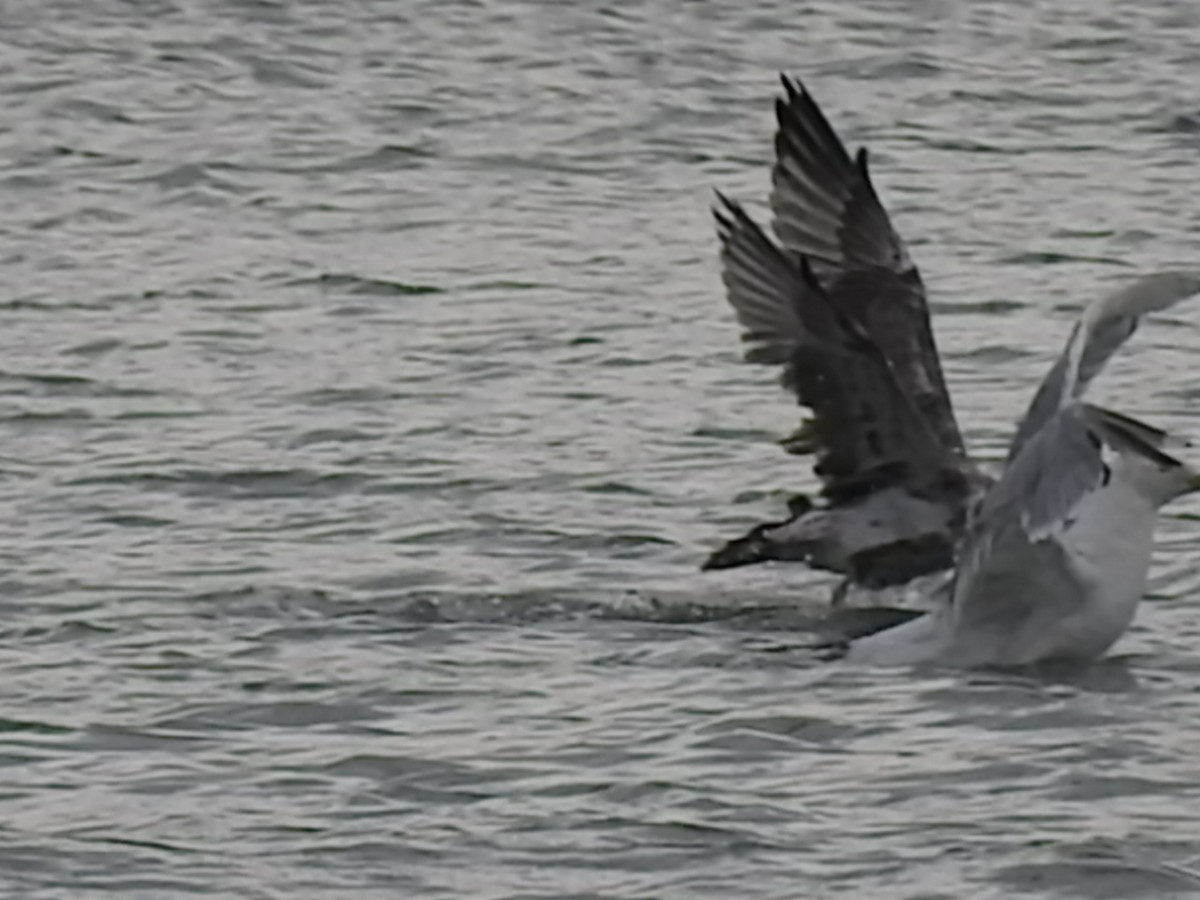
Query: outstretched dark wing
x,y
865,429
826,210
841,308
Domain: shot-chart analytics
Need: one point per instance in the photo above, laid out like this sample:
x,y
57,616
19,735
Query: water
x,y
369,401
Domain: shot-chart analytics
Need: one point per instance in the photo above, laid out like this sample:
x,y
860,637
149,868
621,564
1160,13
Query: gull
x,y
1054,562
840,306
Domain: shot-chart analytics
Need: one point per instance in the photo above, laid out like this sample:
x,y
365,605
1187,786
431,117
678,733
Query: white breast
x,y
1108,546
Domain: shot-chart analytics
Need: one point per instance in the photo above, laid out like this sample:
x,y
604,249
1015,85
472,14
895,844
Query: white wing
x,y
1010,542
1104,326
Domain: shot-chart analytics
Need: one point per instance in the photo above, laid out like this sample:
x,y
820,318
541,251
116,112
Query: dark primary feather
x,y
826,209
894,494
866,431
1127,434
841,309
824,204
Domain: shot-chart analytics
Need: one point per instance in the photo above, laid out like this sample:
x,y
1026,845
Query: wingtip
x,y
785,115
727,213
736,213
861,159
804,129
793,86
782,110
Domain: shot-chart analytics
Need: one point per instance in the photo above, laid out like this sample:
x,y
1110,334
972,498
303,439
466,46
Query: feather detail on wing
x,y
866,430
1103,327
826,210
1039,496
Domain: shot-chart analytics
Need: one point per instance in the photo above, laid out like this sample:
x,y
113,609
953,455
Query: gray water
x,y
368,401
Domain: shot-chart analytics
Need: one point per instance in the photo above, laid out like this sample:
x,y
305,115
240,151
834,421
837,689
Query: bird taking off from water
x,y
836,301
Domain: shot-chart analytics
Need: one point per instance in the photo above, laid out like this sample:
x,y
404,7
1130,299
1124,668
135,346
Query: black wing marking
x,y
866,430
826,209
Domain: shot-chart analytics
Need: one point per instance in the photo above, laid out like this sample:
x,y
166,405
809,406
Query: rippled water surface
x,y
368,401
